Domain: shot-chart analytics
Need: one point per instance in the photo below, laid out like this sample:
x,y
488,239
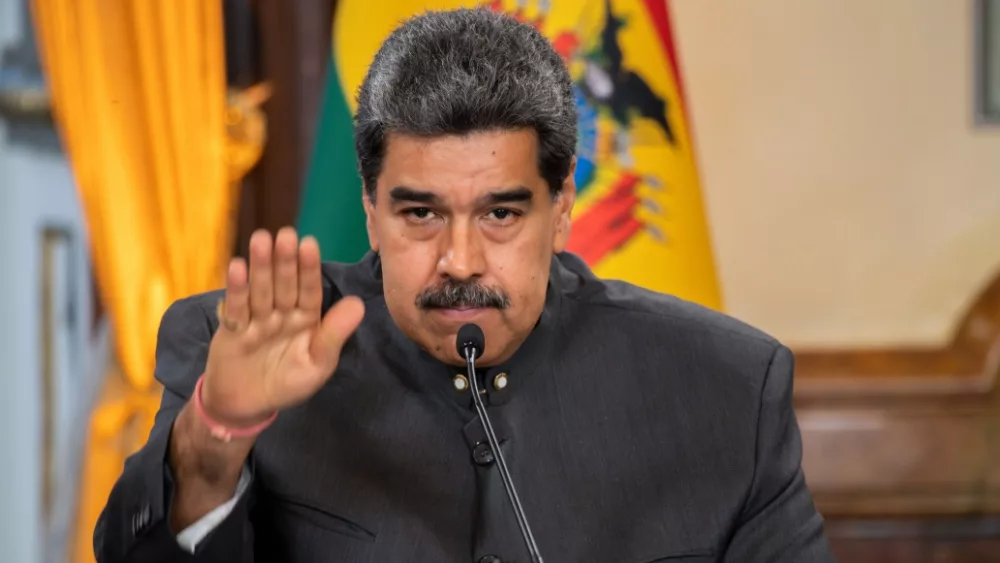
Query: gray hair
x,y
462,71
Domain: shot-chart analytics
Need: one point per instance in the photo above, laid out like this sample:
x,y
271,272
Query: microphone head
x,y
470,336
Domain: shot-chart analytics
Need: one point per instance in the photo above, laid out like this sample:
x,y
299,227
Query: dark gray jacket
x,y
637,427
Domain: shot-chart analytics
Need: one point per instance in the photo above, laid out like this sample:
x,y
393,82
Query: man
x,y
321,412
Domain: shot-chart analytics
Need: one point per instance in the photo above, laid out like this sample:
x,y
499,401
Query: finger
x,y
339,323
237,304
286,269
310,278
261,276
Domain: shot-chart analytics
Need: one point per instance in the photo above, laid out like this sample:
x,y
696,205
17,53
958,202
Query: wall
x,y
852,200
37,196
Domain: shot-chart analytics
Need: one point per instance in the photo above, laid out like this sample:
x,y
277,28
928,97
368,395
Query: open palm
x,y
274,348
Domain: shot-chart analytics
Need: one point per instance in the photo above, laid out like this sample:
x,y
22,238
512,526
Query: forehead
x,y
458,167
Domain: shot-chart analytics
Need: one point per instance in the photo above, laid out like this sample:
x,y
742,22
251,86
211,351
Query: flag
x,y
639,215
330,207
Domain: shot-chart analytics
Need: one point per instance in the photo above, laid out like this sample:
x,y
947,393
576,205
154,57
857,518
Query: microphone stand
x,y
522,521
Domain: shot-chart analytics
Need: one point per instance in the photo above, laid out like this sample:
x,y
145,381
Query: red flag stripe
x,y
608,224
660,17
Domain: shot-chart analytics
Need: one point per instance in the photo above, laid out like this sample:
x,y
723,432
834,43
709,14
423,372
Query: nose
x,y
462,253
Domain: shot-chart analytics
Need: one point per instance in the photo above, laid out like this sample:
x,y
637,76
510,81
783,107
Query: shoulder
x,y
629,305
651,309
665,332
195,314
362,279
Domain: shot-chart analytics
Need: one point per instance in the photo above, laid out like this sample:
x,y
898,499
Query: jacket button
x,y
483,455
490,559
500,381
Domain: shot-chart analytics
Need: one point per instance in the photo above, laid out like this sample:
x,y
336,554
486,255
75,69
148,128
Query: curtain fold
x,y
157,146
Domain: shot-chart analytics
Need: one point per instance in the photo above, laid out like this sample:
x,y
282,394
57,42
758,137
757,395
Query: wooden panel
x,y
968,365
916,541
294,50
887,462
906,432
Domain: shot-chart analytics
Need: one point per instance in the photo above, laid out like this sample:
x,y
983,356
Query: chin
x,y
439,330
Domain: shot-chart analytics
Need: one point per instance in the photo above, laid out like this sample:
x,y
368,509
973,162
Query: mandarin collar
x,y
426,374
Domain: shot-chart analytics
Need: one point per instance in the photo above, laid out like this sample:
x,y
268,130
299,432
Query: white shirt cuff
x,y
190,537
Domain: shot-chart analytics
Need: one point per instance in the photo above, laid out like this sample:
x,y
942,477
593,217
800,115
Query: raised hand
x,y
274,348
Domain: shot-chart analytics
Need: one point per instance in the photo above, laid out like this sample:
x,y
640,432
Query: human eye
x,y
418,214
503,215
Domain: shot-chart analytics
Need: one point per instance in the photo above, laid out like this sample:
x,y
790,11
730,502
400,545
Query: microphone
x,y
470,343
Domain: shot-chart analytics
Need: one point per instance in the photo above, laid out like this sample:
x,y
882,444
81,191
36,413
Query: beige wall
x,y
852,200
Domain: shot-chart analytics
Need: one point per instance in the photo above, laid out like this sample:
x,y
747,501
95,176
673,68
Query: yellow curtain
x,y
157,147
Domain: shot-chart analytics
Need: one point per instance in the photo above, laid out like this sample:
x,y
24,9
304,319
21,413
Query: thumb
x,y
337,326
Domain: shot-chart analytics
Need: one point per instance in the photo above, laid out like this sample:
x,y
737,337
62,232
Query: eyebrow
x,y
513,195
403,193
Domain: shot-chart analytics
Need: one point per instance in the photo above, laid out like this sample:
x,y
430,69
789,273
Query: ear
x,y
563,210
369,205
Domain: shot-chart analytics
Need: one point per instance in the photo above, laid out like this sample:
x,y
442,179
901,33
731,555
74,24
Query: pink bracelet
x,y
221,431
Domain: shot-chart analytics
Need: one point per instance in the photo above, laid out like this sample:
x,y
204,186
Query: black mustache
x,y
462,295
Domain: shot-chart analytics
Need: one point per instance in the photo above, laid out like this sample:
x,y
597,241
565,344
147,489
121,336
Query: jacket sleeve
x,y
190,537
133,526
779,522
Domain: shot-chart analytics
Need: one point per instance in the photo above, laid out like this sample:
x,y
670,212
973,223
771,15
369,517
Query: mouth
x,y
460,313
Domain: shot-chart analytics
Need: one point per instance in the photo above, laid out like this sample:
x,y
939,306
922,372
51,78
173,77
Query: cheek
x,y
521,268
406,270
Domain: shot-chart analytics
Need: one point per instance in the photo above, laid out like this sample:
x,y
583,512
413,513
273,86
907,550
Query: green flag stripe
x,y
330,206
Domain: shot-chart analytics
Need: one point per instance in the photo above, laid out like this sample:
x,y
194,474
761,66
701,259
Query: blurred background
x,y
828,171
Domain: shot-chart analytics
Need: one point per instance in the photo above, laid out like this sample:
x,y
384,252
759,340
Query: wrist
x,y
205,471
200,460
224,427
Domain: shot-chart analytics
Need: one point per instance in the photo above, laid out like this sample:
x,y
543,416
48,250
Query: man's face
x,y
466,228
